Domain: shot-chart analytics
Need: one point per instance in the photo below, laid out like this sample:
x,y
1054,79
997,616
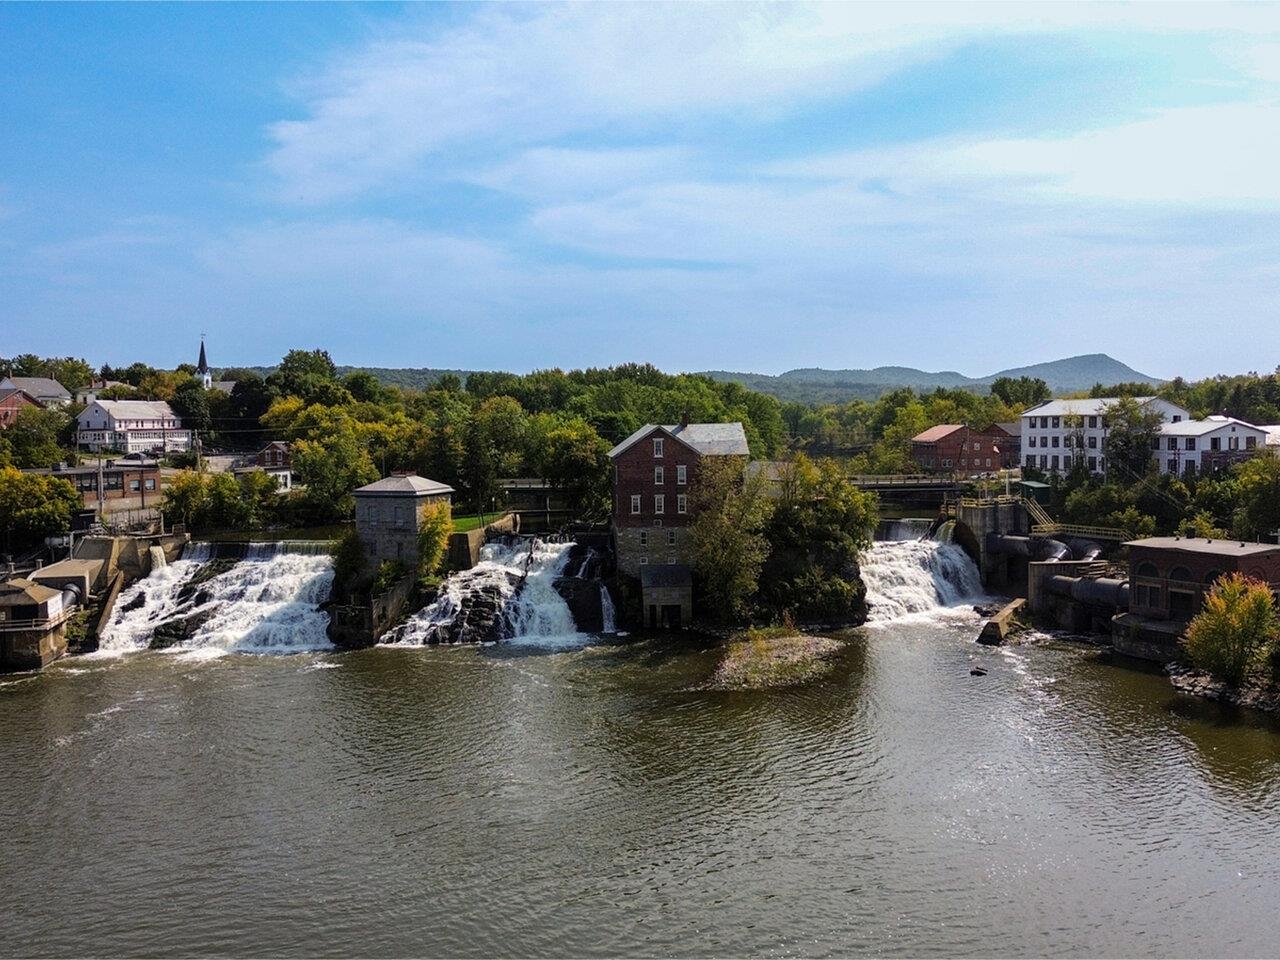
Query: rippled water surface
x,y
511,800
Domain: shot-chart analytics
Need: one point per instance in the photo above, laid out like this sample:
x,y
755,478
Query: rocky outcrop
x,y
1254,693
583,598
178,630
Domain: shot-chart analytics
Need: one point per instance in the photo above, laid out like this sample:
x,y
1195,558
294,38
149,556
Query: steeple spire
x,y
202,369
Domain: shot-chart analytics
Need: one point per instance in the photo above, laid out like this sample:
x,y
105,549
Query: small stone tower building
x,y
389,516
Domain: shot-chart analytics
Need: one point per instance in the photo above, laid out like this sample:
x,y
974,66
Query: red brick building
x,y
654,470
128,483
1169,576
11,402
954,448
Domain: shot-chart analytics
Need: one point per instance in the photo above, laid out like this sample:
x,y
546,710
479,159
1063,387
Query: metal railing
x,y
1080,530
45,623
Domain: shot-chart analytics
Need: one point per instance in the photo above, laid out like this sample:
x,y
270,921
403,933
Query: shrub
x,y
1234,629
433,537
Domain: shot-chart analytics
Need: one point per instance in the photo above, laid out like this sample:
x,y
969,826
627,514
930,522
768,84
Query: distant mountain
x,y
815,385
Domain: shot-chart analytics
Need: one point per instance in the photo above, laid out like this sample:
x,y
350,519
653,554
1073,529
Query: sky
x,y
718,186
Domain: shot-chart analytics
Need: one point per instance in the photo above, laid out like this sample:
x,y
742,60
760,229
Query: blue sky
x,y
726,186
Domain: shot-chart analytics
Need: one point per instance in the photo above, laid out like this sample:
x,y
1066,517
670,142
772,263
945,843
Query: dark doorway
x,y
671,616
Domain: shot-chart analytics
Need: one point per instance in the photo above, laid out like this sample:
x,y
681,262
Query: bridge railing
x,y
1081,530
901,480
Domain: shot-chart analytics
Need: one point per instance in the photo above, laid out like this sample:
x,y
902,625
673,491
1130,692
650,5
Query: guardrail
x,y
46,623
1080,530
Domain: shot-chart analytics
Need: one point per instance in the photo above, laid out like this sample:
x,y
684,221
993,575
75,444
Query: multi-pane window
x,y
657,446
682,473
657,476
635,503
1191,443
671,537
659,503
682,504
644,538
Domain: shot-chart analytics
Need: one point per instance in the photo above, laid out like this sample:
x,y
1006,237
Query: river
x,y
589,799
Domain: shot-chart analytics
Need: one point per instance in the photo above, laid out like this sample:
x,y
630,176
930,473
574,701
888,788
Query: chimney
x,y
684,419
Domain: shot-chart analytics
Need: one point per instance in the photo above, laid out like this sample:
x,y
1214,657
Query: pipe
x,y
71,596
1099,592
1084,549
1036,548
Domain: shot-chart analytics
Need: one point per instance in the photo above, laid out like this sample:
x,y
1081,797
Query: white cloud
x,y
525,76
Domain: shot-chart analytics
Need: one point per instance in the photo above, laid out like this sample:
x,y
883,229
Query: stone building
x,y
389,516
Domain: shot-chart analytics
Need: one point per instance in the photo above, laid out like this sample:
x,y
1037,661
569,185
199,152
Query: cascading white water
x,y
609,616
913,577
267,602
909,528
534,613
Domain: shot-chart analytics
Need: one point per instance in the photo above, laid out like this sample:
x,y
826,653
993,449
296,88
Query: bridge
x,y
905,482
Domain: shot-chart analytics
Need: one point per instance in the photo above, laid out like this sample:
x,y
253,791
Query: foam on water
x,y
268,602
918,578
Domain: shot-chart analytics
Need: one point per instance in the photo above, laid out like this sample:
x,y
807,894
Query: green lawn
x,y
473,522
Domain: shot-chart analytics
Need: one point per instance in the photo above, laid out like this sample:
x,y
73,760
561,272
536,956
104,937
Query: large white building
x,y
133,426
1192,446
1058,432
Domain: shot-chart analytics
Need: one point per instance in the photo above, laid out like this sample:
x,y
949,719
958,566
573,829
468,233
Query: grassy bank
x,y
771,658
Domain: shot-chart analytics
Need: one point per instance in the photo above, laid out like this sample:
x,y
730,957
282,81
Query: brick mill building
x,y
955,448
12,401
654,470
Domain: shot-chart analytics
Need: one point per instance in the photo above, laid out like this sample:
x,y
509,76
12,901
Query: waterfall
x,y
158,561
909,528
266,602
510,595
609,614
917,577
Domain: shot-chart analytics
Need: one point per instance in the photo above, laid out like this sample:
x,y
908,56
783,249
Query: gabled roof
x,y
1197,428
135,409
401,486
1085,406
934,434
6,393
1012,429
665,575
40,387
707,439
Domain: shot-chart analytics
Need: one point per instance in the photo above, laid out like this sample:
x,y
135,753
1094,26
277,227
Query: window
x,y
1031,460
1031,441
1215,443
657,476
657,446
635,503
644,538
1173,465
671,558
1055,461
988,462
1057,422
1093,464
682,473
1055,441
1191,443
1093,423
659,503
671,537
1155,443
1044,461
1177,417
644,560
135,486
1172,443
1250,443
1093,443
682,504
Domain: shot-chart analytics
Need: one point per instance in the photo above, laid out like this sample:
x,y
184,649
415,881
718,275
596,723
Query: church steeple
x,y
202,368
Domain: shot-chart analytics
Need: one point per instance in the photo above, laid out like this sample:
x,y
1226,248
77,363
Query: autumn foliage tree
x,y
1234,630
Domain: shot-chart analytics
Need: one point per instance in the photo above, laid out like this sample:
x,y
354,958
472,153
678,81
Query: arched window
x,y
1179,573
1148,569
1212,577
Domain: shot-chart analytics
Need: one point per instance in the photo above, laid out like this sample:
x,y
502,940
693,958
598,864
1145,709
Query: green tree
x,y
433,537
1132,430
184,498
1257,485
33,436
729,546
1234,629
34,506
1022,392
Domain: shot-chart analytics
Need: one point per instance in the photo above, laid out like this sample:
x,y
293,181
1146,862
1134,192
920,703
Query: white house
x,y
1058,432
134,426
95,389
48,392
1192,446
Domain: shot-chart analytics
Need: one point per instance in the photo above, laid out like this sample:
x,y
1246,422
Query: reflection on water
x,y
494,801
